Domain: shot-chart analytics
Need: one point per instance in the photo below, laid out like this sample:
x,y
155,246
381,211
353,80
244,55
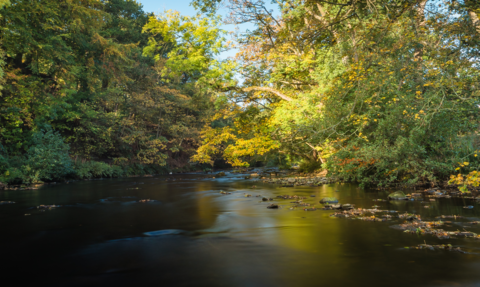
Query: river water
x,y
192,235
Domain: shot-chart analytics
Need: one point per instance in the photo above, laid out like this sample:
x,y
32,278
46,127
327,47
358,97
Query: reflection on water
x,y
191,235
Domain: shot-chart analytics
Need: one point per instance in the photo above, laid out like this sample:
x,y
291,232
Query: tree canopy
x,y
376,91
77,67
381,92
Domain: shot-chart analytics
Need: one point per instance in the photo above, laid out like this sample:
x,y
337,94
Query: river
x,y
191,235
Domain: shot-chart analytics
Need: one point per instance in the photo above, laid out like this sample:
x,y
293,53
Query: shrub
x,y
47,158
13,176
309,166
96,169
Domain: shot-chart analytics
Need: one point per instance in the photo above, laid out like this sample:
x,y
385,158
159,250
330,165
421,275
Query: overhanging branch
x,y
270,90
255,88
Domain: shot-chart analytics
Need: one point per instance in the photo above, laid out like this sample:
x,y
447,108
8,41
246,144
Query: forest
x,y
379,92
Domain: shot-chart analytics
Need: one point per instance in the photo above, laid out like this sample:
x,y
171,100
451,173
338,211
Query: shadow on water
x,y
188,234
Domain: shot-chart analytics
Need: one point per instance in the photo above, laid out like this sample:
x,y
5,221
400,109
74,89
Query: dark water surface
x,y
102,236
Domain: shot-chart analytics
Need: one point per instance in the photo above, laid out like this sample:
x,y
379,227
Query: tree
x,y
78,67
369,85
3,3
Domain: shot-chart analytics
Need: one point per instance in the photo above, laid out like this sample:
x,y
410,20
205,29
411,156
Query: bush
x,y
47,158
4,164
309,166
96,169
281,161
13,176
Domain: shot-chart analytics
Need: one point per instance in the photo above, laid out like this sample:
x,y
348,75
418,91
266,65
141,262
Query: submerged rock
x,y
329,200
438,247
272,206
409,216
7,202
466,234
220,174
165,232
310,209
398,195
47,206
146,200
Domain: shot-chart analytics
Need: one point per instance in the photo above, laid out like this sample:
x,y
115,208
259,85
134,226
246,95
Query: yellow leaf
x,y
465,163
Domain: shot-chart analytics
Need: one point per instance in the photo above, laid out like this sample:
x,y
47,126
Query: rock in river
x,y
329,200
2,186
336,206
347,206
398,195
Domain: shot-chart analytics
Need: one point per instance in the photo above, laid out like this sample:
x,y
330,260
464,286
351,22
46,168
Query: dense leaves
x,y
381,92
77,67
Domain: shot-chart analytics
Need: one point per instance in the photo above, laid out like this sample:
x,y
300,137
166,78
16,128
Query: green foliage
x,y
3,3
196,42
309,166
142,169
95,169
281,161
13,176
48,158
77,66
383,94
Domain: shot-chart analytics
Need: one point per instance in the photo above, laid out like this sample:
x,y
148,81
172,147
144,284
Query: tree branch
x,y
270,90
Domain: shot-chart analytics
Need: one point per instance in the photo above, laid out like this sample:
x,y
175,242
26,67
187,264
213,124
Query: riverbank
x,y
282,177
292,178
22,177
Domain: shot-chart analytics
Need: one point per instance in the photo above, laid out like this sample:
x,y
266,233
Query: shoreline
x,y
285,178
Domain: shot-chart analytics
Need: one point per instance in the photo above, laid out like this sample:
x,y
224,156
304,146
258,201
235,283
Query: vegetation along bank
x,y
381,92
